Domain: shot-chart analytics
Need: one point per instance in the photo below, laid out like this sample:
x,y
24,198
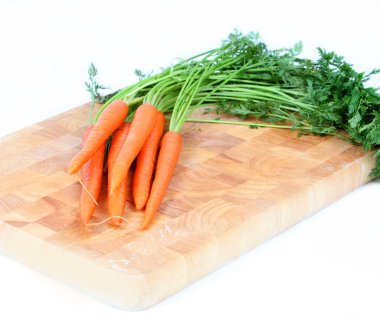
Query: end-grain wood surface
x,y
233,188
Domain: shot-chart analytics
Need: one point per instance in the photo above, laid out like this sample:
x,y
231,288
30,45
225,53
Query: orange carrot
x,y
92,172
109,120
145,164
141,127
171,145
117,199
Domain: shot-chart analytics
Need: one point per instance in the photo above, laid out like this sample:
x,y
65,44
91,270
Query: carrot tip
x,y
146,223
139,206
70,170
144,226
116,222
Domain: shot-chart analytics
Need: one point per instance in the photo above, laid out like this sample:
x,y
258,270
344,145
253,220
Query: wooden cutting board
x,y
233,189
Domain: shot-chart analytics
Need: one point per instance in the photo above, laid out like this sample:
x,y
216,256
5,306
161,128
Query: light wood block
x,y
233,189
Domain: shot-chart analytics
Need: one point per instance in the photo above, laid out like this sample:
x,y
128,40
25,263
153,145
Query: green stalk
x,y
233,122
185,98
268,125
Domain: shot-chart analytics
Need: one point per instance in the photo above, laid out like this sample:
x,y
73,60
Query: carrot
x,y
108,122
145,164
171,145
117,199
142,125
92,172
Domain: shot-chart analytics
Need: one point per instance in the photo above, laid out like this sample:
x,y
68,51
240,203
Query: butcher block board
x,y
233,188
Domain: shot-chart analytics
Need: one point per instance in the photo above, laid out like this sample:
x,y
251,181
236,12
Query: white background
x,y
321,276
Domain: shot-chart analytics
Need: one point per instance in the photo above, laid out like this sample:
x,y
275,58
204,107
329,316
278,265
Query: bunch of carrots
x,y
137,140
178,92
243,77
132,121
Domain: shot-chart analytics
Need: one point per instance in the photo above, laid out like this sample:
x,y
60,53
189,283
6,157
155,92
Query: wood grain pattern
x,y
233,189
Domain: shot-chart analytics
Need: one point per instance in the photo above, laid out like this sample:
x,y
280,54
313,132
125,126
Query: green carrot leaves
x,y
244,77
93,87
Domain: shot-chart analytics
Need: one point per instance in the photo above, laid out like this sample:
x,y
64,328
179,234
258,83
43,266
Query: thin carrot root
x,y
86,190
107,219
